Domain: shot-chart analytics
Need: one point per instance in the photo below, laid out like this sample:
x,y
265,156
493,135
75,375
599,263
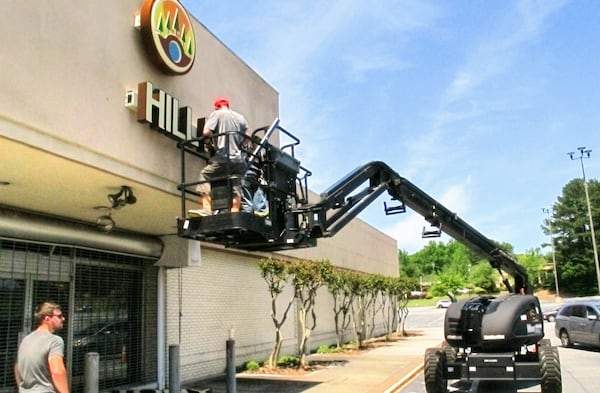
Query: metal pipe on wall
x,y
18,225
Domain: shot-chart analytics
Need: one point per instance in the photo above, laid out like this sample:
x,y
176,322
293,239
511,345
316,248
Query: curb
x,y
405,380
395,388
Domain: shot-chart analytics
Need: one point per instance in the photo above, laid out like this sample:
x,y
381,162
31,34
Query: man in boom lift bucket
x,y
230,129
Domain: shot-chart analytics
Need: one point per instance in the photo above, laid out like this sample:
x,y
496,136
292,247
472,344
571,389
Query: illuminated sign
x,y
168,35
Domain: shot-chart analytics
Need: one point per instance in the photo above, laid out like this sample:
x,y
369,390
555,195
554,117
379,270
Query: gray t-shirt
x,y
34,352
224,120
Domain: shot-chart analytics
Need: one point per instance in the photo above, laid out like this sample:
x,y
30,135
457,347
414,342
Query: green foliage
x,y
572,237
252,365
275,273
323,349
438,257
484,278
406,267
329,349
459,257
431,259
452,266
288,361
534,263
307,277
448,281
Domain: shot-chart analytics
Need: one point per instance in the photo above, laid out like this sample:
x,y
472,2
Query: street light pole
x,y
547,211
585,153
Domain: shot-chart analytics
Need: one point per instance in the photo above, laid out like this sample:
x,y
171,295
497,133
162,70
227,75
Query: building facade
x,y
87,106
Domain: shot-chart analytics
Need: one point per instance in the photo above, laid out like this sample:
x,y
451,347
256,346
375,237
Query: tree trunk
x,y
272,362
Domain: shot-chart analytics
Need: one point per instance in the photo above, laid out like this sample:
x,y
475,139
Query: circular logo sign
x,y
168,35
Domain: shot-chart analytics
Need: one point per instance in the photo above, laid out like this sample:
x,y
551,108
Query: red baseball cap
x,y
221,101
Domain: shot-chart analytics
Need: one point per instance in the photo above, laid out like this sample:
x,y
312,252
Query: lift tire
x,y
450,352
545,342
551,379
434,371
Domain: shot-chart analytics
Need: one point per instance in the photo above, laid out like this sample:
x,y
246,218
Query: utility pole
x,y
585,153
547,211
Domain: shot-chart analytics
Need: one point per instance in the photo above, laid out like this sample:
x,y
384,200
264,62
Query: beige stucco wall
x,y
65,70
358,246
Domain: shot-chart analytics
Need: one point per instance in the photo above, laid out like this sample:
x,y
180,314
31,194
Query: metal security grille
x,y
103,299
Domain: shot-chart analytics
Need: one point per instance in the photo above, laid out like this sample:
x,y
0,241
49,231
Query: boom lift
x,y
486,338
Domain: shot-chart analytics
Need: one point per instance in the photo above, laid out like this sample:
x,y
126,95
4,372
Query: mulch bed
x,y
332,359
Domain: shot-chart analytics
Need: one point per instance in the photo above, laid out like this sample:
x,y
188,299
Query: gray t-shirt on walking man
x,y
34,352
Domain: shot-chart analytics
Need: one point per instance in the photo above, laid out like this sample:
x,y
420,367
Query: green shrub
x,y
329,349
288,361
252,365
323,349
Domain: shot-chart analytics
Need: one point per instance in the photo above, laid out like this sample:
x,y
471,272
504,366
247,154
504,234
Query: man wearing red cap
x,y
229,127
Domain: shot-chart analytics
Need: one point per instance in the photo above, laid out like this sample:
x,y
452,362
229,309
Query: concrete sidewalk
x,y
381,370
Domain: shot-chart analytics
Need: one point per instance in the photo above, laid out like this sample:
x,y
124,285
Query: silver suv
x,y
579,322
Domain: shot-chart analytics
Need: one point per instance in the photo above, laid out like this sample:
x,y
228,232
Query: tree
x,y
342,285
407,266
448,281
431,259
276,274
484,277
572,239
460,258
378,286
358,308
439,257
534,263
307,277
405,286
396,291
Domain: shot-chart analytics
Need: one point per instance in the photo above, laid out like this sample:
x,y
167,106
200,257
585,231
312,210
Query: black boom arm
x,y
344,201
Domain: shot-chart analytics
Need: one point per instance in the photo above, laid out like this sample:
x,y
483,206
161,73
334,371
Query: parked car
x,y
578,322
550,315
443,303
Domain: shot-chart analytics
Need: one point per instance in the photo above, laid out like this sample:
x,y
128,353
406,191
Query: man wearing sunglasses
x,y
40,366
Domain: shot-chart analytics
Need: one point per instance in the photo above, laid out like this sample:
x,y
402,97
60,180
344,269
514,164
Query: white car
x,y
444,303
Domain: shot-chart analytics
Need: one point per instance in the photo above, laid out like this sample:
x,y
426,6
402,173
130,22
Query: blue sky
x,y
475,102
